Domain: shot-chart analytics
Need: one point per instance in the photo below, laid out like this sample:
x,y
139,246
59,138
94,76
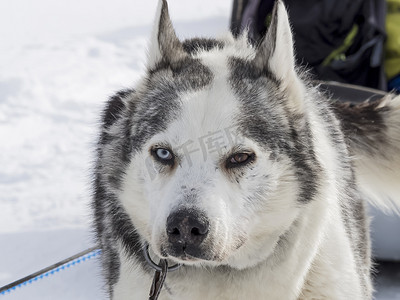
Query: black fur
x,y
136,116
363,124
108,174
192,45
273,128
115,107
131,118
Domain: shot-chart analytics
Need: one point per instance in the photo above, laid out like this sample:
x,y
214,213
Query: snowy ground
x,y
59,61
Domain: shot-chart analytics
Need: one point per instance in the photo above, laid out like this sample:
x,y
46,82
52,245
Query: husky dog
x,y
225,159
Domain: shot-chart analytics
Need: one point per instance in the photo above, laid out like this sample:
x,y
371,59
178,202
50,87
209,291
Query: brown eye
x,y
239,159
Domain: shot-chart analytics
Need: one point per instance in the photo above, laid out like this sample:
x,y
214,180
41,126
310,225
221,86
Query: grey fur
x,y
268,122
268,45
129,120
132,117
363,124
170,47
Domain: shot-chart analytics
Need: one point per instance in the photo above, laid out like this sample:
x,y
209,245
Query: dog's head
x,y
220,158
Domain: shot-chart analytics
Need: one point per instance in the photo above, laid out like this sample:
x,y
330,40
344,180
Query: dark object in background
x,y
349,93
339,40
394,84
387,280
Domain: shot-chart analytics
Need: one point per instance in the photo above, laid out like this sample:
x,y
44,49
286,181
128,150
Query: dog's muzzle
x,y
186,230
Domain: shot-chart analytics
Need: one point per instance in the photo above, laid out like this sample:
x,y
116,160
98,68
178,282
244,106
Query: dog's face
x,y
219,167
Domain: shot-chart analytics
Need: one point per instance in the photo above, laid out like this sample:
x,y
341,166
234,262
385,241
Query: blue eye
x,y
164,154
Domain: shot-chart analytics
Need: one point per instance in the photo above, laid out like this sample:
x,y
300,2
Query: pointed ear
x,y
275,53
164,44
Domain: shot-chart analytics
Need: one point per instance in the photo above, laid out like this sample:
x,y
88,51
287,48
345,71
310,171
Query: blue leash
x,y
51,270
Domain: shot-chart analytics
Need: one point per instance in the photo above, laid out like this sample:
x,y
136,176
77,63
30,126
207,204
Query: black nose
x,y
186,230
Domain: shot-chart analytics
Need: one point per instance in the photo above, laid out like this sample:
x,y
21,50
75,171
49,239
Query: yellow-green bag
x,y
392,46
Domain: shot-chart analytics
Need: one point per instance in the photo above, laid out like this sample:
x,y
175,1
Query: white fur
x,y
316,262
380,177
154,52
281,62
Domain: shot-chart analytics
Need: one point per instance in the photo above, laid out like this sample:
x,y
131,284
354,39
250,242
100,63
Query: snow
x,y
59,62
27,252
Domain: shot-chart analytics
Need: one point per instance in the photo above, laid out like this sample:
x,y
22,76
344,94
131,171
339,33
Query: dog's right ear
x,y
164,45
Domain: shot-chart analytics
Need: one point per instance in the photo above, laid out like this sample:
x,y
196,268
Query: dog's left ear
x,y
275,54
164,44
276,50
